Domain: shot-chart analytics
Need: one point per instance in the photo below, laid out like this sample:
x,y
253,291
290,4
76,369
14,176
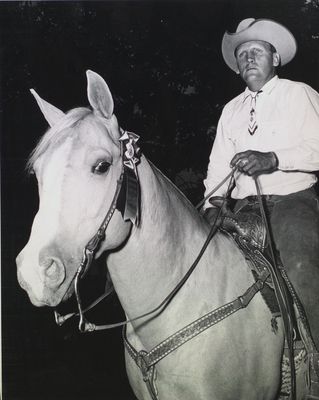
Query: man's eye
x,y
257,51
241,54
101,167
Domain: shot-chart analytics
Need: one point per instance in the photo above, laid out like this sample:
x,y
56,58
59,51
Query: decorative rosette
x,y
128,202
132,151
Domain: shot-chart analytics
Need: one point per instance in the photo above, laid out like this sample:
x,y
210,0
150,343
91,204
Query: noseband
x,y
126,200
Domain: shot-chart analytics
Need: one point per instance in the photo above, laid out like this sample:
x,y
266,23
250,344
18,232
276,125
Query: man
x,y
271,131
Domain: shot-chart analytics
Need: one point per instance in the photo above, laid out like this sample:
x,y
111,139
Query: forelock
x,y
58,132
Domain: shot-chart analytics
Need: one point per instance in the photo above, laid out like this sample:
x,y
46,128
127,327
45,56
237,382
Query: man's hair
x,y
272,48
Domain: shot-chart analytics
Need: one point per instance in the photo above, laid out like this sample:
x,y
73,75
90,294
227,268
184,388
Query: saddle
x,y
250,235
248,226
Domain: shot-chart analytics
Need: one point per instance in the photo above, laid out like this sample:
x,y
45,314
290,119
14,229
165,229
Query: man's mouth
x,y
251,67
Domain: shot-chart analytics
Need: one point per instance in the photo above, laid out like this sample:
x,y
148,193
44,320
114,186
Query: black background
x,y
163,64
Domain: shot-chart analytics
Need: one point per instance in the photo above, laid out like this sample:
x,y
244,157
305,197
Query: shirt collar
x,y
267,88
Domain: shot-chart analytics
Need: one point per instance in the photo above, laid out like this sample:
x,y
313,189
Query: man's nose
x,y
250,57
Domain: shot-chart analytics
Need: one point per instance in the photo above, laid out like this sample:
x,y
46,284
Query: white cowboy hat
x,y
259,29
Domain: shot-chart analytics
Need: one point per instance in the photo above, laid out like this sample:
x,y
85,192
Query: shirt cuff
x,y
285,160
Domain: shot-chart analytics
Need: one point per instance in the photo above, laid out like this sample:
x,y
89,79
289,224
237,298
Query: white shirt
x,y
287,114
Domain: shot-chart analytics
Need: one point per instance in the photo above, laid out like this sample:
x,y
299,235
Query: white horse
x,y
78,163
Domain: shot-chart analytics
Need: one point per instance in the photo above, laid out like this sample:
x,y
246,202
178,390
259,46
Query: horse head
x,y
77,164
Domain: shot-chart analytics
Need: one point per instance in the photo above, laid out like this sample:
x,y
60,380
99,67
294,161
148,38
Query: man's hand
x,y
254,163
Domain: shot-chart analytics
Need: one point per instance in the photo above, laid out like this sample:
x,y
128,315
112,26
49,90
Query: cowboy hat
x,y
259,29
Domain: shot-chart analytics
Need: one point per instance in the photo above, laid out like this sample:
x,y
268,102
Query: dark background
x,y
163,64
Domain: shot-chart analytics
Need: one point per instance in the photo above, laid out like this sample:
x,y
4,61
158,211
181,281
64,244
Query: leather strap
x,y
146,360
282,294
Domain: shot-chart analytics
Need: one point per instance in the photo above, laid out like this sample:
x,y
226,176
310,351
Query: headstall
x,y
126,199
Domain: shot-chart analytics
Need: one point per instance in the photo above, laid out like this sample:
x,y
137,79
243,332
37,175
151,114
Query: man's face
x,y
256,63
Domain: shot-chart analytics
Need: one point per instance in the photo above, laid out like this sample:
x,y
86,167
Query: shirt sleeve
x,y
219,161
305,112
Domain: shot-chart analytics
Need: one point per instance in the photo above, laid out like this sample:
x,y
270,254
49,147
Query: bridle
x,y
130,155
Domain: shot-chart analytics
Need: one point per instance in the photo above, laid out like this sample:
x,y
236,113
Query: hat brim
x,y
261,29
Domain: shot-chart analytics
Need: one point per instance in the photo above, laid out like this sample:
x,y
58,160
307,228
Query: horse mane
x,y
177,190
56,133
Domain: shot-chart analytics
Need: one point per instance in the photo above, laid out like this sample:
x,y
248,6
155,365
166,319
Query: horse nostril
x,y
50,268
52,272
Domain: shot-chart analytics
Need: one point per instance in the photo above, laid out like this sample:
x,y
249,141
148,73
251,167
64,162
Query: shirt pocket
x,y
274,134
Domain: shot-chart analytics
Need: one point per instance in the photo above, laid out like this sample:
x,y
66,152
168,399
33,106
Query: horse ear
x,y
51,113
99,94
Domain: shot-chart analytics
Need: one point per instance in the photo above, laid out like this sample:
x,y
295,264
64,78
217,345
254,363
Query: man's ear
x,y
275,59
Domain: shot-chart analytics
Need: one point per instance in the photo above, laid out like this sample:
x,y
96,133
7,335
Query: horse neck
x,y
161,249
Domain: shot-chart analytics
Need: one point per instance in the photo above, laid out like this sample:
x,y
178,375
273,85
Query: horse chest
x,y
213,366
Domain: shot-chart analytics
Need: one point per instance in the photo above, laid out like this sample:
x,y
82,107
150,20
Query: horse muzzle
x,y
42,281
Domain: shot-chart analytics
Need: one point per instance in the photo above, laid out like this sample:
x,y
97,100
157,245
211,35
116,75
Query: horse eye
x,y
101,167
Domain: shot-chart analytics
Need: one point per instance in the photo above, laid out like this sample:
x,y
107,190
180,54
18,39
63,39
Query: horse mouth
x,y
45,301
46,297
57,297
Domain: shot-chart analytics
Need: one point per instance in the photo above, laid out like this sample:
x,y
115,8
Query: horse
x,y
78,164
